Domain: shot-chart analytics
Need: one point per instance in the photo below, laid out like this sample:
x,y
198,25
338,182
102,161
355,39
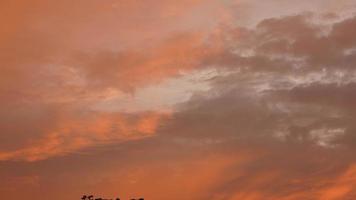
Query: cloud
x,y
63,58
276,121
77,133
129,70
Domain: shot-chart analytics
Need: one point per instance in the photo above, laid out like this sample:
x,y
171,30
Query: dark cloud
x,y
294,44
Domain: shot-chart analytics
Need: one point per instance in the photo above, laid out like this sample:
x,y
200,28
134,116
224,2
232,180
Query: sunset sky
x,y
178,99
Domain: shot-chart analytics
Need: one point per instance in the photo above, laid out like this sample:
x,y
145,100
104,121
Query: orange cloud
x,y
191,177
129,70
344,187
75,134
278,125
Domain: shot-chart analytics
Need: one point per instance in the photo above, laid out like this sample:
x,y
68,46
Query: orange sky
x,y
189,99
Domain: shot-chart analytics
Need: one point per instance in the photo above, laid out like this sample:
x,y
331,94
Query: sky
x,y
188,99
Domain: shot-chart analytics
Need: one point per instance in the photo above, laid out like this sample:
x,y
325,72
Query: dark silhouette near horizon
x,y
91,197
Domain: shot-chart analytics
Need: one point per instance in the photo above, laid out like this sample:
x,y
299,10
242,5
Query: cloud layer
x,y
263,106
